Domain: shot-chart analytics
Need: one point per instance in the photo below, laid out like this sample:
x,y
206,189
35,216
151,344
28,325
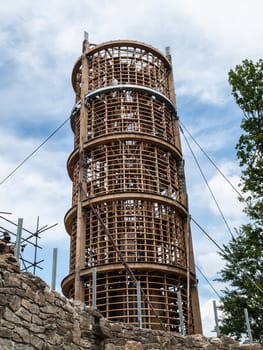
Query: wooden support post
x,y
82,185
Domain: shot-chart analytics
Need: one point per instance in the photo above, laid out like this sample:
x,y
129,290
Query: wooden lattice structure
x,y
129,197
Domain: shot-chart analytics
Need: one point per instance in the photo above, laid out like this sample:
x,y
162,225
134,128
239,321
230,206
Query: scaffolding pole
x,y
248,326
216,319
54,269
18,237
139,303
180,309
94,284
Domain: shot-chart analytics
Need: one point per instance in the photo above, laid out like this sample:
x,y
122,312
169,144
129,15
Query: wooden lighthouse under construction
x,y
131,248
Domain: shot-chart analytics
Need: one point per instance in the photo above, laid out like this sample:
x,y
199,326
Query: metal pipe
x,y
54,269
36,240
139,303
18,237
94,287
180,309
248,326
216,319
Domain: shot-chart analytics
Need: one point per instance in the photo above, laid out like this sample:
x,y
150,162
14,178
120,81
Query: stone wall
x,y
34,317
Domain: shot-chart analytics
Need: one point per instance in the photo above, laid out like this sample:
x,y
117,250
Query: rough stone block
x,y
4,298
133,345
252,346
6,344
50,298
209,346
195,340
36,342
215,341
37,321
68,338
24,314
5,333
105,328
110,347
10,317
227,341
15,303
39,298
116,327
21,335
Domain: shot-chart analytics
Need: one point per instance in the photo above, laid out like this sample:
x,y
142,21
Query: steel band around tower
x,y
130,87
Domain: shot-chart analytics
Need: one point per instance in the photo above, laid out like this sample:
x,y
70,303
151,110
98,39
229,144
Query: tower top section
x,y
124,62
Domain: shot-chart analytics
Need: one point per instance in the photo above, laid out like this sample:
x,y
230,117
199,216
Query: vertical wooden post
x,y
192,292
188,269
81,222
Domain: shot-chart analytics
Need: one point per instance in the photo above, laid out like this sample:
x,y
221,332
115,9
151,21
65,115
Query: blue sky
x,y
40,41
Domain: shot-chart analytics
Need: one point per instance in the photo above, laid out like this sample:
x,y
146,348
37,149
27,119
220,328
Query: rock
x,y
215,341
24,314
133,345
116,327
229,342
5,333
21,335
209,346
251,346
15,303
105,328
195,340
110,347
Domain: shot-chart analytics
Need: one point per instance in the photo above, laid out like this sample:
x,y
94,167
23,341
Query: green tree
x,y
243,255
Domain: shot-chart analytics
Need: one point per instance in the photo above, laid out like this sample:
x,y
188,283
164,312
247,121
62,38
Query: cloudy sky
x,y
40,41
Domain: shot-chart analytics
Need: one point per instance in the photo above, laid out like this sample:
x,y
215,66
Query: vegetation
x,y
243,255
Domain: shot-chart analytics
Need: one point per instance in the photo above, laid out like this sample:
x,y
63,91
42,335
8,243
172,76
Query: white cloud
x,y
210,263
225,195
229,24
223,190
203,36
40,187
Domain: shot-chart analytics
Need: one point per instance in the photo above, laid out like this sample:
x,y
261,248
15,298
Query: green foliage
x,y
243,269
243,255
247,87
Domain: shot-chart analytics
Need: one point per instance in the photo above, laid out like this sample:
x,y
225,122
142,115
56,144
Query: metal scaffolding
x,y
23,243
129,218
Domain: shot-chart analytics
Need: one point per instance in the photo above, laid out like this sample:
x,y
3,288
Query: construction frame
x,y
129,220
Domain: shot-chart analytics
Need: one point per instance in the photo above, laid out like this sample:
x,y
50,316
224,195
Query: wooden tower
x,y
131,248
